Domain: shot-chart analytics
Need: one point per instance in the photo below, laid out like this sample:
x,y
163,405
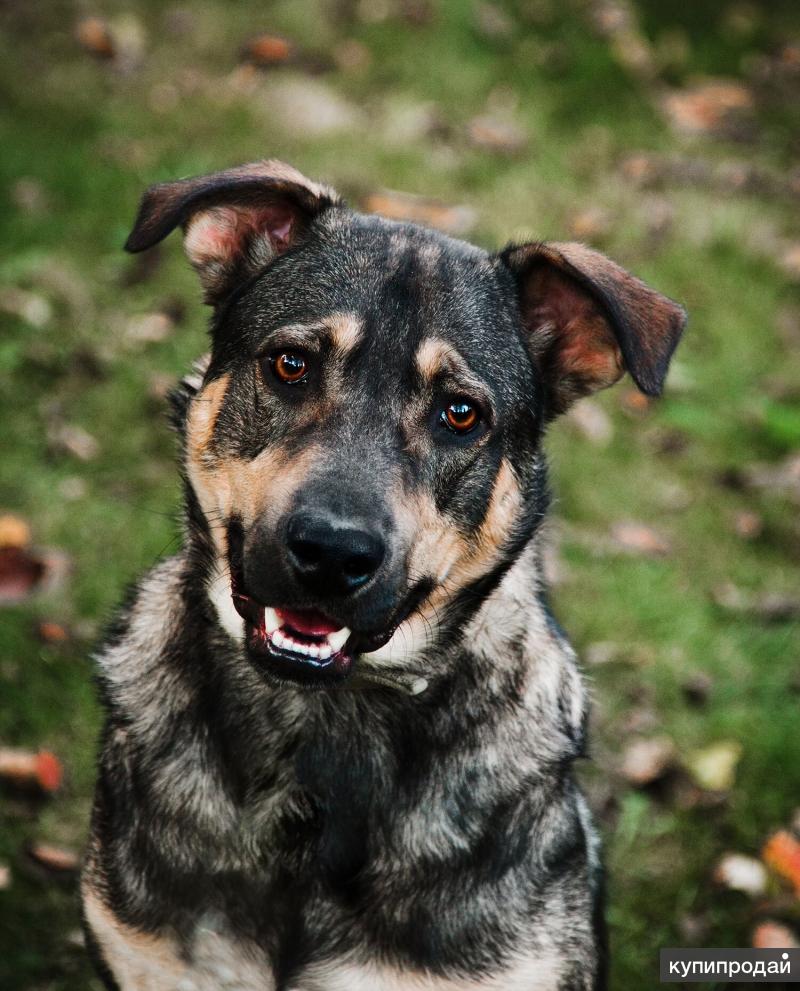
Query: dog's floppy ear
x,y
588,321
235,222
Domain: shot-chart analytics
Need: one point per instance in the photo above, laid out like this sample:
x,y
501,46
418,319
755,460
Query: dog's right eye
x,y
288,367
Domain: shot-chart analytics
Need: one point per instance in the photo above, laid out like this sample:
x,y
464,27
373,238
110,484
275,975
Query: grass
x,y
93,137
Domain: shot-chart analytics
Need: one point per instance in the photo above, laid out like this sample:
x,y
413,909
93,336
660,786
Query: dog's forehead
x,y
404,281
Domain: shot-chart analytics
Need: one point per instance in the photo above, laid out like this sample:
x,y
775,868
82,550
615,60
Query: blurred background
x,y
663,133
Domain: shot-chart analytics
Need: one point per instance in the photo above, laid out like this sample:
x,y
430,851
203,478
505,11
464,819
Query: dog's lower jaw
x,y
382,667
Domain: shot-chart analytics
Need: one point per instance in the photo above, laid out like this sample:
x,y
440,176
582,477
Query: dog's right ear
x,y
235,222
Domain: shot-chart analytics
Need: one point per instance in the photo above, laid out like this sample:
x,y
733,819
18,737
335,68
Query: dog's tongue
x,y
309,622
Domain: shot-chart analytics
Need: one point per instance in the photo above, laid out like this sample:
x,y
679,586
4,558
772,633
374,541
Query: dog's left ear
x,y
235,222
587,321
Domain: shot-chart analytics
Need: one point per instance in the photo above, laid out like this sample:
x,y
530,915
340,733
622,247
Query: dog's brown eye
x,y
289,366
461,416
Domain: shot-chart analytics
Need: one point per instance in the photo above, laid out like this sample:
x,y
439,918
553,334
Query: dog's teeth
x,y
278,639
313,650
271,621
338,639
324,652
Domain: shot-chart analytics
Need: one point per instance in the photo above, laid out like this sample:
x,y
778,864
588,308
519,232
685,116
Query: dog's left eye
x,y
461,416
289,367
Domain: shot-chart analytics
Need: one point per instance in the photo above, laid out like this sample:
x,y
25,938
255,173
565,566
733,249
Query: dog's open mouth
x,y
298,644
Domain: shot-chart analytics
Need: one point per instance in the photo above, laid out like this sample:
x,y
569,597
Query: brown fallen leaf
x,y
748,524
590,224
781,854
268,50
783,477
69,438
51,632
20,573
149,328
741,873
94,35
638,538
592,422
634,403
504,137
711,107
771,607
646,761
421,210
25,769
309,107
57,860
714,767
14,531
28,306
5,876
492,22
789,261
772,935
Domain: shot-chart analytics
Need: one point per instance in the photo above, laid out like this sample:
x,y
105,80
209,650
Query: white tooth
x,y
299,647
324,652
271,621
337,640
313,650
278,639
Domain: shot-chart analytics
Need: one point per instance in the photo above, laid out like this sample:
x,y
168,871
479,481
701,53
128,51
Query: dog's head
x,y
364,445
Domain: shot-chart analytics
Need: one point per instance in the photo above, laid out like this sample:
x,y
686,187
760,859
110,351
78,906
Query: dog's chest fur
x,y
297,841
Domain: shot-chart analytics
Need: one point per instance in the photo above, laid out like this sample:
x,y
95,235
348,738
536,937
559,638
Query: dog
x,y
341,721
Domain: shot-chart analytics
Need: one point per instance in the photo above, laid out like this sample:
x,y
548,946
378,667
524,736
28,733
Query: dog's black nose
x,y
331,555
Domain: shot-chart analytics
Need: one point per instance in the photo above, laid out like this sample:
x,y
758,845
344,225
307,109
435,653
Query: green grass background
x,y
94,136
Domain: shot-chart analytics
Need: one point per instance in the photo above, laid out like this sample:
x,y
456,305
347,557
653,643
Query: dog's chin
x,y
301,646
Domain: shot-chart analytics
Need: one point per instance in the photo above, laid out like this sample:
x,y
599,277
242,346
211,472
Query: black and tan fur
x,y
414,825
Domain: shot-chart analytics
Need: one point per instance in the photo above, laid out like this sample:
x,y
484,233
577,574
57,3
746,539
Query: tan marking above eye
x,y
346,330
435,356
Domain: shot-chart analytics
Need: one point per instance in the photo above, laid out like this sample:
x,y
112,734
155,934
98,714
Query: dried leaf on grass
x,y
715,106
748,524
714,767
741,873
28,306
781,854
495,134
14,531
267,50
69,438
638,538
48,631
149,328
421,210
120,41
93,34
27,769
20,573
771,607
771,935
56,860
646,761
592,422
